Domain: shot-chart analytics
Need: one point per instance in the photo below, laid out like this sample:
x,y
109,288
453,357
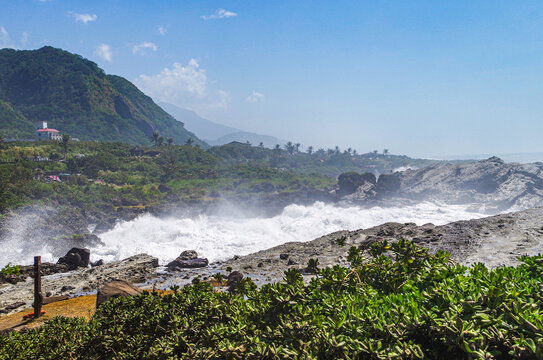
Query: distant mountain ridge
x,y
76,97
217,134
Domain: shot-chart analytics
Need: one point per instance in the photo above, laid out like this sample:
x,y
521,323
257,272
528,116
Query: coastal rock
x,y
76,257
188,255
115,289
97,263
491,184
349,182
188,264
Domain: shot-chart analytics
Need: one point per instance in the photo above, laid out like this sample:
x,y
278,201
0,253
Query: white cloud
x,y
177,84
254,97
24,38
5,40
219,14
140,48
103,51
162,30
186,86
84,18
224,99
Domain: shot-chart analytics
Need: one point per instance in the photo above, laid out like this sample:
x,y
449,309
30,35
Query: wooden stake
x,y
38,297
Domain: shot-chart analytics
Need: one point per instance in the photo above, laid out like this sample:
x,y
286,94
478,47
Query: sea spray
x,y
219,237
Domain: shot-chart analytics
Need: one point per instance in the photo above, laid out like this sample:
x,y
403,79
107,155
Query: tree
x,y
297,146
189,141
336,149
155,137
160,140
277,148
261,144
289,146
170,141
65,141
385,152
310,150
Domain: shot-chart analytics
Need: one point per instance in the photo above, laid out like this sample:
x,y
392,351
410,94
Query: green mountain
x,y
76,97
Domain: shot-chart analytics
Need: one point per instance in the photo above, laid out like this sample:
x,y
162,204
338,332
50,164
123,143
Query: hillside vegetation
x,y
76,97
403,303
104,175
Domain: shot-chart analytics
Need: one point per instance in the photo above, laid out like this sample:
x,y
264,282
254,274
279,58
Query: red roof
x,y
47,130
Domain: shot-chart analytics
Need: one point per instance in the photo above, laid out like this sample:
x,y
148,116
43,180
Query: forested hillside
x,y
76,97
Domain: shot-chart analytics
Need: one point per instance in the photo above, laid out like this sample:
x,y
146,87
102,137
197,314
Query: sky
x,y
422,78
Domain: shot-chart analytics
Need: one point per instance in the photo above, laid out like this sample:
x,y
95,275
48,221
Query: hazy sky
x,y
423,78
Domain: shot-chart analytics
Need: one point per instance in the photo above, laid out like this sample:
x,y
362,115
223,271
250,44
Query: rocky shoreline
x,y
497,240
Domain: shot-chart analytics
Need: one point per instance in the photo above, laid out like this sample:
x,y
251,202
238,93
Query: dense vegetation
x,y
76,97
100,175
402,304
331,162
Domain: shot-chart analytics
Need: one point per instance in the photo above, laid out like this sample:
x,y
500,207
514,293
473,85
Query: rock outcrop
x,y
187,260
492,185
76,257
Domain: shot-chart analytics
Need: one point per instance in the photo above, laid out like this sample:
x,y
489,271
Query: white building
x,y
44,133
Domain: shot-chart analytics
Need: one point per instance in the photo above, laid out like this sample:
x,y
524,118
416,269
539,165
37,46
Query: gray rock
x,y
115,289
492,185
188,264
97,263
76,257
188,255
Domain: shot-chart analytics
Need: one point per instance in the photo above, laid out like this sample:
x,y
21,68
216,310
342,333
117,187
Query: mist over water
x,y
220,237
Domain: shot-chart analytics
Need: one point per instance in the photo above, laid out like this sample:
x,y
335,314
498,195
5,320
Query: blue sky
x,y
422,78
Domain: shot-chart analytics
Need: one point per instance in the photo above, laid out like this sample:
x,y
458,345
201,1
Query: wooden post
x,y
38,297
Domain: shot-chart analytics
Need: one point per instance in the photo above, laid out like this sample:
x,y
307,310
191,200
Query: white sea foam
x,y
219,237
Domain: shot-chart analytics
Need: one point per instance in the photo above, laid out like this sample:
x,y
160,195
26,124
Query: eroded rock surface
x,y
491,185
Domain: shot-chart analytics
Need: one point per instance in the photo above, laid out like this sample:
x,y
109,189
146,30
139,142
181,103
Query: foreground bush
x,y
402,304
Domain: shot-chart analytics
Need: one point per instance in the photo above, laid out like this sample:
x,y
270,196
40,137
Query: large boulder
x,y
349,182
188,260
76,257
115,289
188,264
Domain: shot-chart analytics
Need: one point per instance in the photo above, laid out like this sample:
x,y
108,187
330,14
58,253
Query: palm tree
x,y
261,144
385,152
170,141
310,149
289,146
155,137
277,148
297,146
160,140
65,141
336,149
189,141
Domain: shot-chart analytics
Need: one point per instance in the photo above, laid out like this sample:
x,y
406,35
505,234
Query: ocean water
x,y
230,232
220,237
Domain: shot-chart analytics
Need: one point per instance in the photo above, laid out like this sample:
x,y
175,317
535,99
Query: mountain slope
x,y
217,134
243,136
76,97
203,128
